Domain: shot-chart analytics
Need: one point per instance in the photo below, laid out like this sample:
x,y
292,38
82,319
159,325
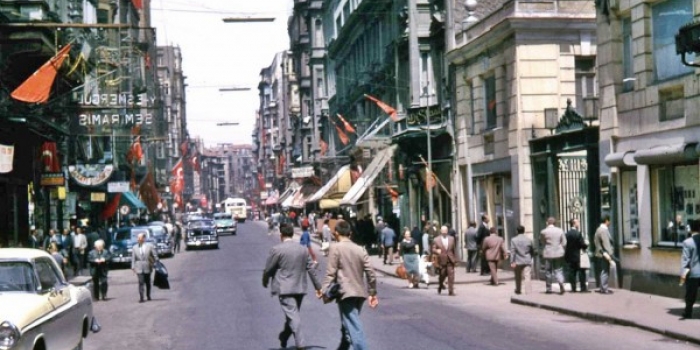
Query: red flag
x,y
149,194
135,153
49,157
111,207
391,111
347,125
177,181
343,136
195,163
37,88
138,4
324,147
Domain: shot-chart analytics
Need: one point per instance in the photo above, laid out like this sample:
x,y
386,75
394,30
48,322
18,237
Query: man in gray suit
x,y
521,253
553,240
470,244
604,253
287,267
143,256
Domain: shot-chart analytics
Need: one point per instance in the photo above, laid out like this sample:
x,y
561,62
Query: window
x,y
671,103
585,80
318,33
674,202
427,82
630,209
490,102
102,16
627,57
47,275
667,17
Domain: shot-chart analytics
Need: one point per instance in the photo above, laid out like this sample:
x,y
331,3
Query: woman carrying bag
x,y
409,251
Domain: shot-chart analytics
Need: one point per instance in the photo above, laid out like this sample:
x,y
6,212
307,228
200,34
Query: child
x,y
423,265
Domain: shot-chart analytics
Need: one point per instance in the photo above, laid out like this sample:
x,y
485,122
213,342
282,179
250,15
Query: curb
x,y
606,319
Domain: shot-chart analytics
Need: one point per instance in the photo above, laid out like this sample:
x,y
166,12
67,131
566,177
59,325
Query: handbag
x,y
325,245
401,272
585,262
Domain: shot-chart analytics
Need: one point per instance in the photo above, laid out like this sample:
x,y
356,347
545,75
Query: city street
x,y
216,301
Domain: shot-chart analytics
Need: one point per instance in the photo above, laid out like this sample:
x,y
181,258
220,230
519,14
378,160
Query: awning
x,y
289,192
620,159
367,178
298,200
333,186
667,154
271,201
131,200
287,202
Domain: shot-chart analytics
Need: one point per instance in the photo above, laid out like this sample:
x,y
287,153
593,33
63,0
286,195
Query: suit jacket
x,y
447,255
481,233
574,244
143,263
553,241
602,241
99,269
494,248
470,238
689,258
287,267
347,264
521,250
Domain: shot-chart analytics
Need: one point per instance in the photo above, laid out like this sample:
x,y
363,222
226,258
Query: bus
x,y
237,208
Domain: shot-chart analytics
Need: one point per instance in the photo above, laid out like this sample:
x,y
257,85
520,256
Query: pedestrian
x,y
553,240
690,268
481,234
416,235
426,241
604,255
305,241
575,244
348,263
522,252
49,239
446,249
79,249
33,241
388,239
378,233
409,251
287,266
494,250
61,260
178,237
471,246
327,237
142,259
99,259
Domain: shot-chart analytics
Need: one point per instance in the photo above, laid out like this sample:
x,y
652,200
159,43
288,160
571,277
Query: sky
x,y
219,55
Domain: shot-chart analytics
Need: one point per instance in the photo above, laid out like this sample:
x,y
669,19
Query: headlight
x,y
9,335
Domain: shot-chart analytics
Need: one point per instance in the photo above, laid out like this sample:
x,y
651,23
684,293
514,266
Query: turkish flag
x,y
177,180
111,207
391,111
49,157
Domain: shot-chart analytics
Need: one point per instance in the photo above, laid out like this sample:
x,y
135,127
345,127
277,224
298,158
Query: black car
x,y
123,241
163,240
201,233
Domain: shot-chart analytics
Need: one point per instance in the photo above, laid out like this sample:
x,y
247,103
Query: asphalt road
x,y
217,302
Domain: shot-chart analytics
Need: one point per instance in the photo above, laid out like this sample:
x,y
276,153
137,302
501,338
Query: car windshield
x,y
129,234
157,230
16,276
201,223
222,216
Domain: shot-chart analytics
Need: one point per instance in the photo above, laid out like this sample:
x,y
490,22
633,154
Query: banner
x,y
7,154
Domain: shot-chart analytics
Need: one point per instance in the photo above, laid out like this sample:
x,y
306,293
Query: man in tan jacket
x,y
494,250
353,261
446,249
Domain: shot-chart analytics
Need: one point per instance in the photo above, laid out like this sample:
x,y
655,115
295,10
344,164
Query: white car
x,y
38,308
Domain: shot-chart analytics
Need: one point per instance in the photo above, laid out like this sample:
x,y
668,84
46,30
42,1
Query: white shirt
x,y
80,241
444,241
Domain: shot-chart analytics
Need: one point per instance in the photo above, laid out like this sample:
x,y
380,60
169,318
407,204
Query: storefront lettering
x,y
106,119
115,100
573,164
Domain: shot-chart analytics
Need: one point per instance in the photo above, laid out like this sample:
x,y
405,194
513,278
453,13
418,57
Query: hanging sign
x,y
91,174
7,154
52,179
302,172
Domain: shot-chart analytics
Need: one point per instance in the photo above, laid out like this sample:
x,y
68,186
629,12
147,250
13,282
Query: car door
x,y
63,328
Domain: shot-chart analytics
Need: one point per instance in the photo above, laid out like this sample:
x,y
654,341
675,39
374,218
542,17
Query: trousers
x,y
447,272
523,277
471,260
554,269
144,283
352,333
691,293
291,306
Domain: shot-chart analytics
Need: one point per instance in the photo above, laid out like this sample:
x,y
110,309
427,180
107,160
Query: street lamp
x,y
590,109
551,118
688,41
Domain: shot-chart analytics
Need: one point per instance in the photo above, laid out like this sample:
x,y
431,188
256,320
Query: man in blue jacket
x,y
690,268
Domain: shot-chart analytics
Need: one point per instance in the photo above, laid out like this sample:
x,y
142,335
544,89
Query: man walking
x,y
470,244
575,243
494,250
521,254
354,263
603,251
99,267
444,246
143,257
481,234
553,240
388,239
79,248
287,267
690,268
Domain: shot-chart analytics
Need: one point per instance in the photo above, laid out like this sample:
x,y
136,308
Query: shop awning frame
x,y
130,199
327,187
368,176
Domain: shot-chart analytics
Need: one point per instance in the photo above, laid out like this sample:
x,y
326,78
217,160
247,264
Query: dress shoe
x,y
686,316
148,298
585,291
548,292
141,301
604,291
452,294
283,340
439,289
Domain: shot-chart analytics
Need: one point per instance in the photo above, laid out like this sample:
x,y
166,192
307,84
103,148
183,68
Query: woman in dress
x,y
409,250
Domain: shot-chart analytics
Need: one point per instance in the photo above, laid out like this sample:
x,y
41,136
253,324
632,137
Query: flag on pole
x,y
148,192
342,135
346,125
138,4
391,111
195,163
37,88
177,180
135,153
324,147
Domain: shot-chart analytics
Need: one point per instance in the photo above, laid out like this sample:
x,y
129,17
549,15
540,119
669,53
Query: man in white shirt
x,y
79,251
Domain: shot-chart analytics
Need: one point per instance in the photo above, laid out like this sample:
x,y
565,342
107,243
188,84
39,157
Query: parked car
x,y
191,217
38,308
123,241
225,224
201,233
163,240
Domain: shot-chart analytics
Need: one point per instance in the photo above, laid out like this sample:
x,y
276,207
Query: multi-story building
x,y
172,85
649,132
227,172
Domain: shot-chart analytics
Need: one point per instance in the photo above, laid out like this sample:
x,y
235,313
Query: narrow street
x,y
217,302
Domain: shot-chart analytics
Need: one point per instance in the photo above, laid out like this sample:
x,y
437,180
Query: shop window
x,y
676,202
630,208
667,17
490,101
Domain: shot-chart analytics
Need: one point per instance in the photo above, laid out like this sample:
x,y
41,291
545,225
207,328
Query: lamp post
x,y
429,170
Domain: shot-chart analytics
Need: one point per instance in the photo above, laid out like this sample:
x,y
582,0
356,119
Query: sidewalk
x,y
645,311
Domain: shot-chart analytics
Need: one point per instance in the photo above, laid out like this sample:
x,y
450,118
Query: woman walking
x,y
409,250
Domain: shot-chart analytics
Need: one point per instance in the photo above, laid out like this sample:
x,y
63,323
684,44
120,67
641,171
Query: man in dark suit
x,y
481,234
287,267
575,243
445,248
143,256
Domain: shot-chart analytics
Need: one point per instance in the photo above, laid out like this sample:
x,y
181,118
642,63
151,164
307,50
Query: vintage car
x,y
225,224
124,240
201,233
38,308
161,237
